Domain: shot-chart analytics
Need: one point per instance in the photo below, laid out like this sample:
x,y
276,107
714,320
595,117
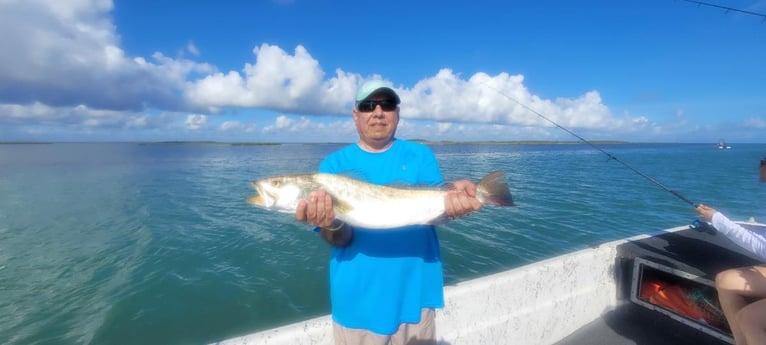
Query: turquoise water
x,y
153,244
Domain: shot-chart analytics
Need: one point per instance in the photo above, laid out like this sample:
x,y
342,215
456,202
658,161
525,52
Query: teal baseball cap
x,y
376,86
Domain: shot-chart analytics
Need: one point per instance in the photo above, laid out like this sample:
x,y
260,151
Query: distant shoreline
x,y
423,141
427,142
521,142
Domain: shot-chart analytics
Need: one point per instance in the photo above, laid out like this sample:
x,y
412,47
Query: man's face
x,y
377,127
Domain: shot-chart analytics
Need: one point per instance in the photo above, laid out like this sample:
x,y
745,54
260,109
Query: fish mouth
x,y
263,198
256,200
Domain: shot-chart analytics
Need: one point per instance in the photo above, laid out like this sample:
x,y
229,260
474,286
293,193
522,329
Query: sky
x,y
288,70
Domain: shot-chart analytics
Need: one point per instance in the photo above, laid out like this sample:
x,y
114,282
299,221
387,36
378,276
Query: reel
x,y
701,226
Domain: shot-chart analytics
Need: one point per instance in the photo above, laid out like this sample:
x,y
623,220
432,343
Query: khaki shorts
x,y
422,333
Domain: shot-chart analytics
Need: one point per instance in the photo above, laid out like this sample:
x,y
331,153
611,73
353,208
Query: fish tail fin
x,y
493,189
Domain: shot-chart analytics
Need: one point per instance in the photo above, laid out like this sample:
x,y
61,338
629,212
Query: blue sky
x,y
287,70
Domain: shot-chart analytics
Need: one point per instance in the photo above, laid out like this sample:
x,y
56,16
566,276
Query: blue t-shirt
x,y
385,277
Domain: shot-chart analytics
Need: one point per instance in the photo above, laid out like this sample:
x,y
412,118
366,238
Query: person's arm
x,y
755,243
745,238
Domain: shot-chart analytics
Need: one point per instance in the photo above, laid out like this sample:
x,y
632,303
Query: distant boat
x,y
722,145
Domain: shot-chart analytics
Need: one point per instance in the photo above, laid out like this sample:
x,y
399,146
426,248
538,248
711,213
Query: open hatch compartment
x,y
684,297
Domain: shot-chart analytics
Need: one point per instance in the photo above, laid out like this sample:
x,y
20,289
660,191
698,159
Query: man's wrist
x,y
337,225
340,237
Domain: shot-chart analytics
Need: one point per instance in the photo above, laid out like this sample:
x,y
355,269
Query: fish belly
x,y
394,213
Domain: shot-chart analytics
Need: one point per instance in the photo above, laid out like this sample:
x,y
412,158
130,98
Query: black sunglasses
x,y
368,106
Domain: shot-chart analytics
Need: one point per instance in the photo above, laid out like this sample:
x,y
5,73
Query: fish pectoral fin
x,y
341,206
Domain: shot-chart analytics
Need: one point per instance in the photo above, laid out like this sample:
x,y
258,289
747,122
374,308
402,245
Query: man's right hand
x,y
316,209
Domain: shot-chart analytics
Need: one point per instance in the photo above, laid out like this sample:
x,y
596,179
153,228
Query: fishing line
x,y
597,148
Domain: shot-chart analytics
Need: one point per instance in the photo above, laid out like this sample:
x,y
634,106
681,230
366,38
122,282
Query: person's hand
x,y
461,199
316,210
706,212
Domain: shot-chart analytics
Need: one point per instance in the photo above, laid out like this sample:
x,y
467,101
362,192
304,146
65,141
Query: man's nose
x,y
378,111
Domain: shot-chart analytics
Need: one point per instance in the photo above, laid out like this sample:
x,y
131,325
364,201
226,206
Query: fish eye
x,y
275,183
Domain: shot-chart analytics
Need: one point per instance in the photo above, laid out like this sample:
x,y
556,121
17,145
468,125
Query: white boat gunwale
x,y
534,310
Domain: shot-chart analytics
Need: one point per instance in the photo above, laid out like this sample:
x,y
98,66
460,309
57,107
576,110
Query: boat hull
x,y
554,300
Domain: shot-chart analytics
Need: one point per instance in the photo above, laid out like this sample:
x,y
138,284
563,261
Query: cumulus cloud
x,y
236,126
294,83
196,122
442,127
66,53
62,65
283,122
77,116
278,81
499,99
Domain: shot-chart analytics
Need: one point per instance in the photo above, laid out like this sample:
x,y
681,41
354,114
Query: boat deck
x,y
687,251
632,324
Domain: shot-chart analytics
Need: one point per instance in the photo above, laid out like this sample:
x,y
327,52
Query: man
x,y
384,285
742,291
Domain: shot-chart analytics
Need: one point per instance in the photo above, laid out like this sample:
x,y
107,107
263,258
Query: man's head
x,y
763,170
375,88
376,114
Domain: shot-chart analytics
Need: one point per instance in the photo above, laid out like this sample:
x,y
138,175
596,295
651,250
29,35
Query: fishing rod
x,y
702,3
597,148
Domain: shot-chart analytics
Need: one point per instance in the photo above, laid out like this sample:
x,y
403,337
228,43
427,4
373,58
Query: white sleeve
x,y
753,242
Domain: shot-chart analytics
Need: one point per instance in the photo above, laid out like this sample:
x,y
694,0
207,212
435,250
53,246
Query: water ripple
x,y
129,244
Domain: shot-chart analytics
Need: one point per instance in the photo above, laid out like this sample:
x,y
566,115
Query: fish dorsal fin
x,y
398,184
353,174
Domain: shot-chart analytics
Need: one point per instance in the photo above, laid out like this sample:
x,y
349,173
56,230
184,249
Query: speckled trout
x,y
372,206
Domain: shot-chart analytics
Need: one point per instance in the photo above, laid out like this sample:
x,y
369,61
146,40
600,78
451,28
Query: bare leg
x,y
752,322
735,287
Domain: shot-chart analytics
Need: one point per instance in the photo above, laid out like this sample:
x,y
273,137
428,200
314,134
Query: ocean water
x,y
127,243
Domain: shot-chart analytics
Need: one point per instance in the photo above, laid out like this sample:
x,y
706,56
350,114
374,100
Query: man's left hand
x,y
461,199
